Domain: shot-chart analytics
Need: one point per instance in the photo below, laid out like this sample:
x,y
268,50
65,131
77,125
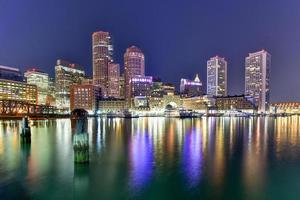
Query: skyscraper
x,y
66,74
217,76
102,56
113,80
257,78
41,80
134,62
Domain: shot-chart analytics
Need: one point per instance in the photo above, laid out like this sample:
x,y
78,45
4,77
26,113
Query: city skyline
x,y
160,52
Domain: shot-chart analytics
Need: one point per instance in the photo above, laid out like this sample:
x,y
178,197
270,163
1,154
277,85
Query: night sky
x,y
176,36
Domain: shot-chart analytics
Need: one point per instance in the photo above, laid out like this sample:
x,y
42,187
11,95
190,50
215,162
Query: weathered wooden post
x,y
81,144
26,131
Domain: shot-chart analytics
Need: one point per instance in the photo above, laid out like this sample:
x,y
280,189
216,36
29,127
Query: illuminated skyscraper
x,y
102,56
257,78
113,80
41,80
217,76
66,74
50,100
134,62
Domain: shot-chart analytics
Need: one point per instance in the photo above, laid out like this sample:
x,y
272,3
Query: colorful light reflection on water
x,y
154,158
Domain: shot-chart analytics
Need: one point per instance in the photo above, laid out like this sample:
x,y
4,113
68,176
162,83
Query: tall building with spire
x,y
217,76
257,78
134,62
191,88
102,56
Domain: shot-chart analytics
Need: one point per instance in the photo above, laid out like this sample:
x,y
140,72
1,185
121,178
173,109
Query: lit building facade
x,y
50,99
217,76
112,105
66,74
156,103
84,96
174,100
10,73
122,86
41,80
113,80
134,62
198,103
238,102
168,89
87,80
19,91
285,108
102,55
191,88
141,86
159,89
257,78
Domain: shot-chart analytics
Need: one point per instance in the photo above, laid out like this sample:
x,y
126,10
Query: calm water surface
x,y
154,158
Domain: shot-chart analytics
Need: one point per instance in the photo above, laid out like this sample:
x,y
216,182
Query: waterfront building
x,y
156,103
134,62
217,76
19,91
238,102
102,55
257,78
112,105
122,86
10,73
172,100
285,108
198,103
66,74
191,88
84,96
113,80
41,80
141,102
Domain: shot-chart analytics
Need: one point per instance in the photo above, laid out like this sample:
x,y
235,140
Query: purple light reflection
x,y
141,160
192,157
